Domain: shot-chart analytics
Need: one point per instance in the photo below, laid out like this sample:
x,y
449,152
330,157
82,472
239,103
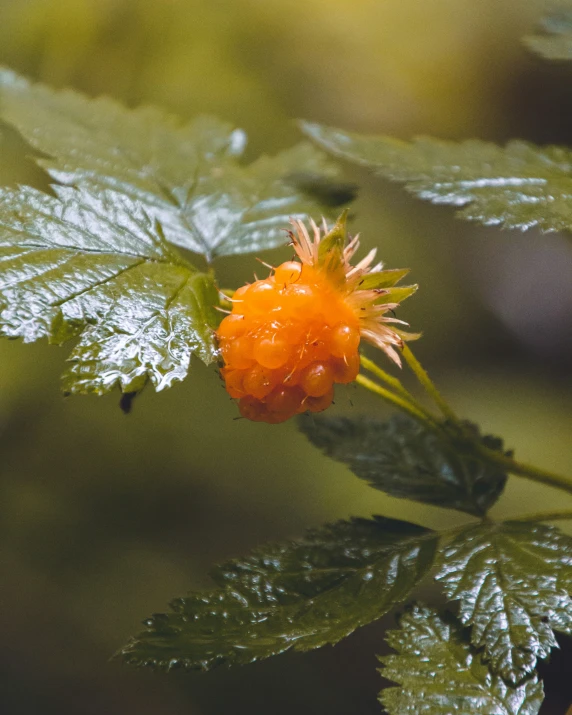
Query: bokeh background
x,y
103,517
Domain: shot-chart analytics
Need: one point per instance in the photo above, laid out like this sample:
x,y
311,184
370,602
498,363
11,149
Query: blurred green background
x,y
103,517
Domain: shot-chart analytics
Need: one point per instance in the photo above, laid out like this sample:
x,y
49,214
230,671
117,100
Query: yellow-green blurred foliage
x,y
105,517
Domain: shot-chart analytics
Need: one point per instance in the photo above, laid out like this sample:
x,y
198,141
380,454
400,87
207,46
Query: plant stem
x,y
393,382
405,401
425,380
545,516
536,474
394,399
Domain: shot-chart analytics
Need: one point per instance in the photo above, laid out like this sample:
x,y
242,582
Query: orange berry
x,y
346,369
237,353
299,297
253,409
275,418
233,380
318,349
345,340
294,335
231,327
238,299
259,381
271,352
317,379
293,332
285,400
288,272
261,296
319,404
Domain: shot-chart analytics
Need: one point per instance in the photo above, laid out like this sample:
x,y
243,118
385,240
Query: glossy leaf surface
x,y
513,582
554,42
93,264
440,673
404,459
186,175
517,186
299,595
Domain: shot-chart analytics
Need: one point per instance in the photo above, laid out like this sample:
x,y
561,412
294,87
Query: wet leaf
x,y
554,42
517,186
299,595
440,673
406,460
94,265
513,582
187,175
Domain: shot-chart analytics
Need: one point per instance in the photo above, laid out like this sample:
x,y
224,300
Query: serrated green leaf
x,y
513,582
299,596
555,42
95,265
406,460
440,674
517,186
187,176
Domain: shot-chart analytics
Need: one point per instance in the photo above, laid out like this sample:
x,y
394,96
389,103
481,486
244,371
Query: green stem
x,y
393,382
528,471
425,380
545,516
406,402
394,399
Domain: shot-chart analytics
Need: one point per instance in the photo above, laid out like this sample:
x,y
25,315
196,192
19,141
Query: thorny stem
x,y
425,380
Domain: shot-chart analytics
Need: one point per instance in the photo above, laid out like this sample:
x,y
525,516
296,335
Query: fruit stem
x,y
396,400
394,383
427,383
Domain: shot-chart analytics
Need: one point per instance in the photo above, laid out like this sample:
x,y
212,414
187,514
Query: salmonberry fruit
x,y
293,335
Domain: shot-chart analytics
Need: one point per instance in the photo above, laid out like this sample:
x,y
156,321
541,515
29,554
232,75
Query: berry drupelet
x,y
293,335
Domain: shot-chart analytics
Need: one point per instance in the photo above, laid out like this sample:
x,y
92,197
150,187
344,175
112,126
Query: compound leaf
x,y
440,673
404,459
517,186
94,264
187,176
299,596
555,40
513,582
